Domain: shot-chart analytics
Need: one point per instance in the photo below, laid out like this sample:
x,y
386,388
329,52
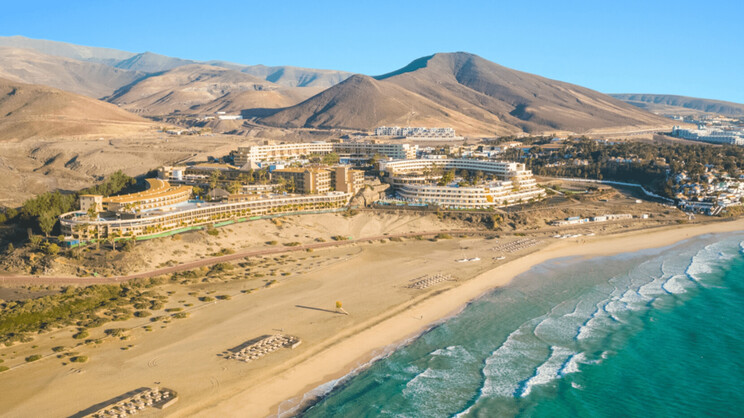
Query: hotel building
x,y
321,180
79,226
516,183
350,150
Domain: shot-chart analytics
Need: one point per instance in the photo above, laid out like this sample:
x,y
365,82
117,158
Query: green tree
x,y
330,158
46,223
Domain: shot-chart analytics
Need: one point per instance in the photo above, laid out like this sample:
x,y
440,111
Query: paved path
x,y
8,279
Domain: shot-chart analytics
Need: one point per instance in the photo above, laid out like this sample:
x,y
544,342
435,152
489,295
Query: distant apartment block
x,y
709,135
417,132
350,150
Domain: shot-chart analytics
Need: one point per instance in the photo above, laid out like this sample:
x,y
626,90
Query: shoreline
x,y
390,331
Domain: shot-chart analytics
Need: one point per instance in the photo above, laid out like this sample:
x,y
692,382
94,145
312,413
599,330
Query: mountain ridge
x,y
655,102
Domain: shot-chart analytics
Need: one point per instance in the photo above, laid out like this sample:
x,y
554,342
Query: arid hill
x,y
457,89
201,89
87,78
28,110
361,102
666,103
475,86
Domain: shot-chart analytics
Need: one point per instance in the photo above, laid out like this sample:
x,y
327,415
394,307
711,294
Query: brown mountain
x,y
87,78
28,110
361,102
200,89
468,93
668,103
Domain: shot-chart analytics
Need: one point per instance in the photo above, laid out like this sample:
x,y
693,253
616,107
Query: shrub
x,y
443,236
83,334
292,244
33,357
3,368
79,359
142,314
115,332
206,299
52,249
58,348
174,309
223,297
213,232
181,315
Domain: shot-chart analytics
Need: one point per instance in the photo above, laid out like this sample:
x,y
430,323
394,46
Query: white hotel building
x,y
709,135
516,183
351,150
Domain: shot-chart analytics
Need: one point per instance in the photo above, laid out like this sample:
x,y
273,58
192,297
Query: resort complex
x,y
489,184
170,211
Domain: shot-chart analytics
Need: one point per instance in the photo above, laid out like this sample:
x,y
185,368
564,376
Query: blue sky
x,y
655,46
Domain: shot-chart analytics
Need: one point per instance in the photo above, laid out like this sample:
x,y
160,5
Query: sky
x,y
683,47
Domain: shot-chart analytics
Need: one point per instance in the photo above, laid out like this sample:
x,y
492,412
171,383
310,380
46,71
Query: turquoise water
x,y
654,333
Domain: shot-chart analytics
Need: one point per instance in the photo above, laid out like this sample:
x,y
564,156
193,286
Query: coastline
x,y
358,348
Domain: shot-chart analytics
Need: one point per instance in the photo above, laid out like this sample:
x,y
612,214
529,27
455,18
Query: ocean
x,y
652,333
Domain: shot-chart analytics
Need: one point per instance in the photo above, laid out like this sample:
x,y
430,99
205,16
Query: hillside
x,y
150,62
38,111
295,76
361,102
666,103
475,86
200,89
86,78
468,93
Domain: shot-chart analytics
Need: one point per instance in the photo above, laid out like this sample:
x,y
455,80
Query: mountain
x,y
87,78
150,62
199,89
361,102
290,76
466,92
28,110
667,103
473,85
62,49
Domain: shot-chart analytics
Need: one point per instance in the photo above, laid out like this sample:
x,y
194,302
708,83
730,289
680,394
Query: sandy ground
x,y
343,357
370,280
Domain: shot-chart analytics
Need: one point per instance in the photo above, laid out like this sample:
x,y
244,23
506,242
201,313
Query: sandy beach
x,y
372,279
357,349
